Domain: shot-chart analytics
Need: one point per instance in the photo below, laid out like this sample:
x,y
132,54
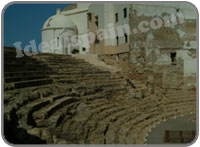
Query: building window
x,y
126,37
116,17
83,49
89,15
57,41
97,41
117,40
125,12
97,21
173,58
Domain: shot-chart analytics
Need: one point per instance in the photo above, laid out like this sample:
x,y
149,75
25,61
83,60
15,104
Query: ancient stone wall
x,y
171,49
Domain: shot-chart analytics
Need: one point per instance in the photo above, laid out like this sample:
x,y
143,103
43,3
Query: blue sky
x,y
22,22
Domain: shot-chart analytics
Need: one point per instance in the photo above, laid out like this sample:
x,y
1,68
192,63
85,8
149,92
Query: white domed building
x,y
60,30
52,33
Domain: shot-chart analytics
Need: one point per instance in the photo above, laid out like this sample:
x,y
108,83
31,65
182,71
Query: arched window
x,y
117,40
57,41
126,37
173,58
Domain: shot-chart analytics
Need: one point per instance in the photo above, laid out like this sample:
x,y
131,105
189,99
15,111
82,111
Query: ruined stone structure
x,y
170,51
58,99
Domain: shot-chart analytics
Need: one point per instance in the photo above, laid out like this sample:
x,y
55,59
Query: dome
x,y
59,20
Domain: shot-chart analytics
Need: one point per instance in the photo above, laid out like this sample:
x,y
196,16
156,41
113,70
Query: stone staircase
x,y
58,99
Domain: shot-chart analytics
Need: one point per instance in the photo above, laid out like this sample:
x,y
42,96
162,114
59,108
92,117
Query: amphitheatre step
x,y
12,50
14,57
26,93
81,77
182,97
9,49
19,97
108,92
180,94
57,58
82,72
28,73
24,78
22,60
30,83
66,63
63,62
16,64
25,113
78,71
41,116
27,68
101,84
72,66
82,89
56,119
89,81
105,119
10,53
52,55
27,60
